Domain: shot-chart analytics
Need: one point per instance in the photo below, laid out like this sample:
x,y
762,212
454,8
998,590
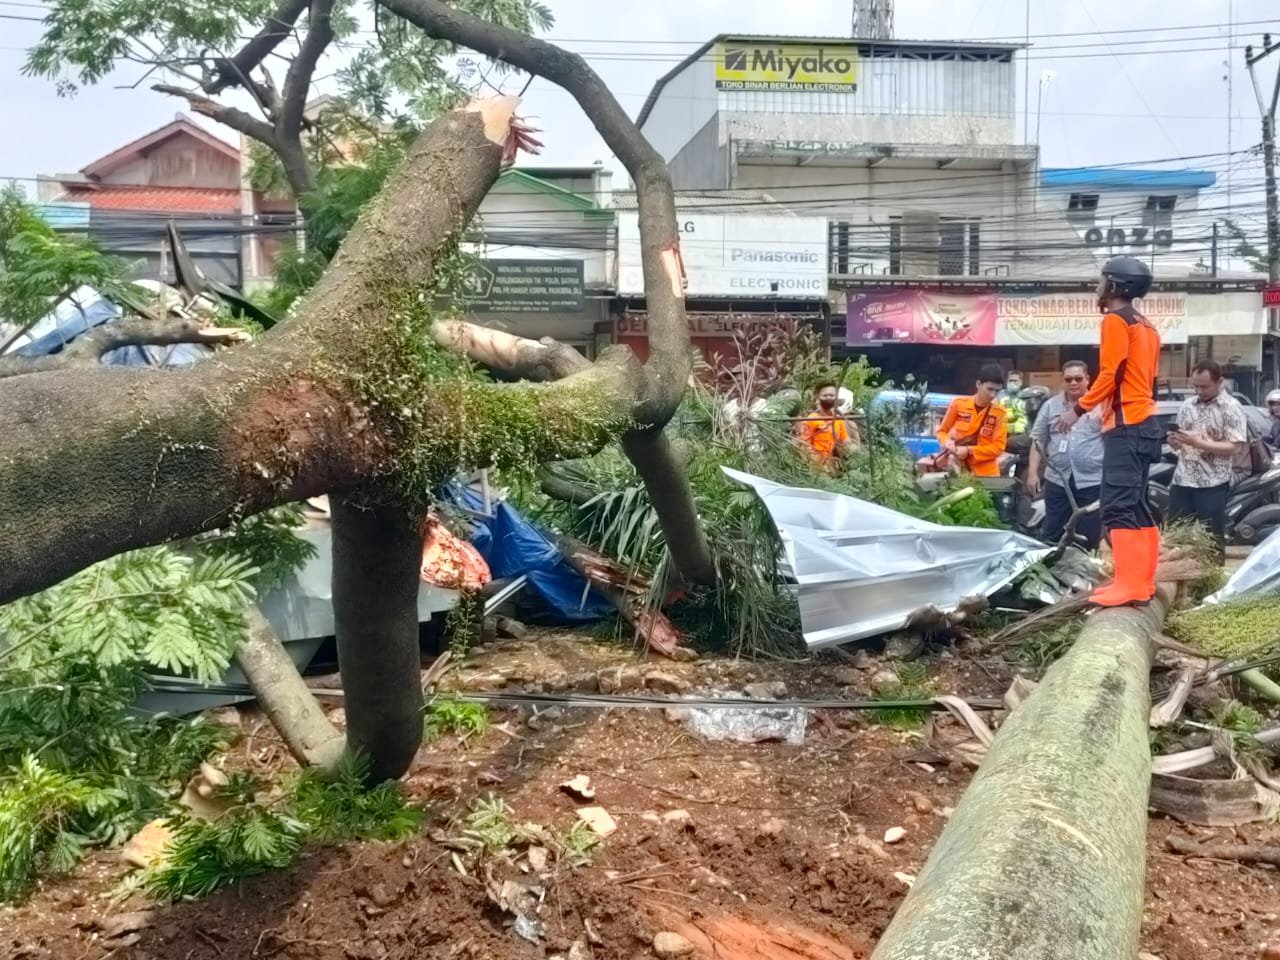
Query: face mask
x,y
827,404
1014,387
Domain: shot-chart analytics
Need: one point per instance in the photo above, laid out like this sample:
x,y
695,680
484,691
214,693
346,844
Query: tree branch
x,y
290,120
544,359
88,350
233,117
235,70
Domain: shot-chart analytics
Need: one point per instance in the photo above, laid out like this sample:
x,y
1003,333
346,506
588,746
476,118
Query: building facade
x,y
180,173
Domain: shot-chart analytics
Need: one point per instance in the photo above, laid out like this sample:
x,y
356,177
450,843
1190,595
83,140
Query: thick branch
x,y
94,463
669,349
235,70
648,449
1045,853
88,350
285,697
290,120
234,118
520,357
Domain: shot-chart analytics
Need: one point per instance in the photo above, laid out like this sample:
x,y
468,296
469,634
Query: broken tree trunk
x,y
285,698
1044,856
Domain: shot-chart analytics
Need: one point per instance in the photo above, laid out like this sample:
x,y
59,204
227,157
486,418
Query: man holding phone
x,y
1210,433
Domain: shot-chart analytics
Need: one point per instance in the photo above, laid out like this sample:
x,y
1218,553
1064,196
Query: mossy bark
x,y
1044,856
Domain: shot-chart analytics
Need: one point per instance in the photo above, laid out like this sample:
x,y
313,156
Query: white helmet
x,y
1273,397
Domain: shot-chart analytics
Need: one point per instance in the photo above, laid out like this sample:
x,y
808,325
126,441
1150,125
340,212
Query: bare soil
x,y
747,850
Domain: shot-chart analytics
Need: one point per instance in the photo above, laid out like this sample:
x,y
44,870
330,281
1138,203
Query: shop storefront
x,y
744,275
945,336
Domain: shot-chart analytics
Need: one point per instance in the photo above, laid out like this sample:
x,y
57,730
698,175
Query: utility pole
x,y
1268,111
872,19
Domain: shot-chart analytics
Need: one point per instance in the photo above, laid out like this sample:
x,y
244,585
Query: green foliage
x,y
39,265
579,845
252,838
1239,718
448,715
1043,647
913,684
342,807
1237,628
207,855
1245,249
267,542
39,811
967,504
463,623
490,828
155,606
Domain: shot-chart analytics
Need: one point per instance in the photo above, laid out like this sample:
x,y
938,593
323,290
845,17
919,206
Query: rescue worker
x,y
1015,406
1128,362
824,432
975,429
1273,407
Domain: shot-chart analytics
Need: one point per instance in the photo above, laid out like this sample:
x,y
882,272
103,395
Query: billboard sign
x,y
736,256
767,65
921,316
525,286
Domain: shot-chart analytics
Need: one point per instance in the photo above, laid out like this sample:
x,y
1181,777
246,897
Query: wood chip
x,y
598,820
579,787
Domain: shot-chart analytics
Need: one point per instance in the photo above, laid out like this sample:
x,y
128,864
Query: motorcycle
x,y
1253,504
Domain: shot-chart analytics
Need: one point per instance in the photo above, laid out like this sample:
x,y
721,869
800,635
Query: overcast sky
x,y
1118,97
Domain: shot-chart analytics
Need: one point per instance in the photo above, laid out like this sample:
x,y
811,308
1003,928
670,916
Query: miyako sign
x,y
761,65
730,256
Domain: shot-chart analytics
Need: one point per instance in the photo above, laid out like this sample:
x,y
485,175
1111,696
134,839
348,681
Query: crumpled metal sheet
x,y
862,569
1258,575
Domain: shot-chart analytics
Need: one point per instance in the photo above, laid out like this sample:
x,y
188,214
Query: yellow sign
x,y
761,65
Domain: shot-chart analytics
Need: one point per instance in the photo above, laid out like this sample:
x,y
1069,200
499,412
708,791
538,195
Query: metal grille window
x,y
1159,212
1082,207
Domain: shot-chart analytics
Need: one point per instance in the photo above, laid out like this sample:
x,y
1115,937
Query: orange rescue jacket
x,y
1128,364
984,430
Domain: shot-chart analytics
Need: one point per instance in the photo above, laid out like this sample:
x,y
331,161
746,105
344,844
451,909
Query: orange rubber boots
x,y
1137,554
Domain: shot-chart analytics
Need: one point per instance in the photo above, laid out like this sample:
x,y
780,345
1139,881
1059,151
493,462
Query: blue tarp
x,y
512,547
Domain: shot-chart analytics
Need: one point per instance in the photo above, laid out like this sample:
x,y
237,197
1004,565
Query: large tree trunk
x,y
96,462
376,558
1044,856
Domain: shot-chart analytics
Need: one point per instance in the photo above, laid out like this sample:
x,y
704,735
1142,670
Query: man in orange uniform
x,y
975,429
1128,364
824,432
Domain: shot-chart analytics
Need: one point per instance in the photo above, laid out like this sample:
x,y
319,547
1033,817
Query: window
x,y
1082,206
895,249
840,248
959,248
1159,212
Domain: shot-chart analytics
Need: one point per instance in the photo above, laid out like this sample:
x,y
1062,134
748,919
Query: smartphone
x,y
1171,428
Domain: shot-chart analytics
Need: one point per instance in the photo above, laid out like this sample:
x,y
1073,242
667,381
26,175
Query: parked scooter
x,y
1253,505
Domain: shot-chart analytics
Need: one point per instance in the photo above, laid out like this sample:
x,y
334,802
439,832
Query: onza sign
x,y
1133,237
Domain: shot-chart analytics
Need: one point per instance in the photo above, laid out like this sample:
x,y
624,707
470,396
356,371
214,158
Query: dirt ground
x,y
762,850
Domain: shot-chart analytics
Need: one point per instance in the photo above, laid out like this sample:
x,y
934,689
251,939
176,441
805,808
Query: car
x,y
921,439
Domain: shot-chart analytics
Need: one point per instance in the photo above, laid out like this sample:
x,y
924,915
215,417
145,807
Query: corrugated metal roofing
x,y
176,199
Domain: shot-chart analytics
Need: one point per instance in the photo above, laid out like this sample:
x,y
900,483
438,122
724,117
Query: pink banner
x,y
919,316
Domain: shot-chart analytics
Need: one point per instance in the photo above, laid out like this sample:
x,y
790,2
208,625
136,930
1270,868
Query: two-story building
x,y
180,173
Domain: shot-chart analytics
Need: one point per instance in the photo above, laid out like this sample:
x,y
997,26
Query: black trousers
x,y
1206,504
1057,513
1127,454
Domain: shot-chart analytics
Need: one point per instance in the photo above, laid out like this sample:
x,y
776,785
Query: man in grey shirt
x,y
1071,463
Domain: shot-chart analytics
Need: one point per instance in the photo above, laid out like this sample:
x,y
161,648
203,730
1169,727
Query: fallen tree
x,y
351,397
1044,857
